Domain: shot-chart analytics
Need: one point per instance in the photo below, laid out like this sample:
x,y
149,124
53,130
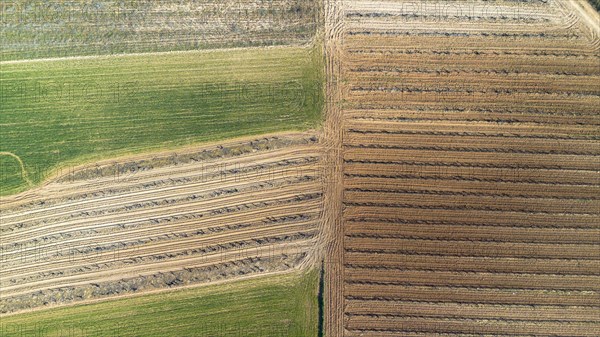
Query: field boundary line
x,y
158,53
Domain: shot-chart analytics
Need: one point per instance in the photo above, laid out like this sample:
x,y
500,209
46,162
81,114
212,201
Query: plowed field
x,y
469,134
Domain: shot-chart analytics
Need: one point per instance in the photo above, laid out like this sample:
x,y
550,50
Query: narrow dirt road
x,y
333,165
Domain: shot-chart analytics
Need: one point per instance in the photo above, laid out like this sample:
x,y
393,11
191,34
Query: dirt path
x,y
333,163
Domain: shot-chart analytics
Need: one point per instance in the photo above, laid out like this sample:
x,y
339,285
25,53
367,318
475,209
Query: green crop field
x,y
282,305
64,112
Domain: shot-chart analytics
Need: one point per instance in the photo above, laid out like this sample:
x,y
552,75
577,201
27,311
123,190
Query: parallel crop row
x,y
471,158
249,208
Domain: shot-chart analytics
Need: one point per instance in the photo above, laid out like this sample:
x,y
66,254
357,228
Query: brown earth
x,y
470,139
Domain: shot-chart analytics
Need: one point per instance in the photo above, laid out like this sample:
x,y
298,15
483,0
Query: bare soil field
x,y
471,155
124,226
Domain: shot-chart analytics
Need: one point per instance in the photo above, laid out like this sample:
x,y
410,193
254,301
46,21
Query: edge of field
x,y
157,53
587,11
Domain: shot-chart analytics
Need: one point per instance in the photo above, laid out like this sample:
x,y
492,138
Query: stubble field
x,y
470,145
